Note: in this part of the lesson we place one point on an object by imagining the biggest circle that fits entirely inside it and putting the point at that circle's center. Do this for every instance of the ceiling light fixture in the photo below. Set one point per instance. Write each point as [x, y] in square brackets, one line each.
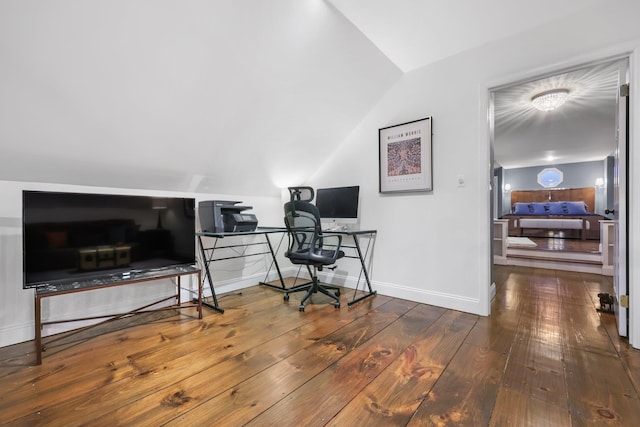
[550, 99]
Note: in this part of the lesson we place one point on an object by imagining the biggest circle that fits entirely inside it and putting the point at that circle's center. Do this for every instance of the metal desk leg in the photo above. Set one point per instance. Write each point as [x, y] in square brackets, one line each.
[274, 261]
[366, 275]
[206, 262]
[199, 295]
[178, 294]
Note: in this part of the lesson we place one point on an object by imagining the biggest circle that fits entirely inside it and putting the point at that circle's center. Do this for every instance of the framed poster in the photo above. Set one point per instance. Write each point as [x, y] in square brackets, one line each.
[405, 157]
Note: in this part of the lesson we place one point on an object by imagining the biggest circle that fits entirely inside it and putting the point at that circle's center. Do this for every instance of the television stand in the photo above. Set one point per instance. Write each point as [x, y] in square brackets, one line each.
[68, 287]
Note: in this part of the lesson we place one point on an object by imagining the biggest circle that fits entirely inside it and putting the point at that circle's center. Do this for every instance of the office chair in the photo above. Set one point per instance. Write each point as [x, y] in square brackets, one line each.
[307, 245]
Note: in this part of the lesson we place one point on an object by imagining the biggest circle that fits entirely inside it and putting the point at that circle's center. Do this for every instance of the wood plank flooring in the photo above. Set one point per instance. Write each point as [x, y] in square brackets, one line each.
[545, 357]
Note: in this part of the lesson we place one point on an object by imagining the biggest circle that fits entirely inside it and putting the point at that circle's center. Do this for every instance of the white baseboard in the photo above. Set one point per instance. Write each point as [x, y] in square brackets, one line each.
[440, 299]
[231, 285]
[454, 302]
[17, 333]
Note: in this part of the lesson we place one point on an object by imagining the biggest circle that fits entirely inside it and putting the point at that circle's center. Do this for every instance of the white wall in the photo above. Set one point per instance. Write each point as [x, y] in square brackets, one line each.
[425, 238]
[435, 247]
[16, 304]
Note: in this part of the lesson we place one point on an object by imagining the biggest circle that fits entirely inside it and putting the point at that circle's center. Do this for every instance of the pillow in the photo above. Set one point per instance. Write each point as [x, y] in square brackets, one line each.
[57, 239]
[521, 208]
[539, 208]
[576, 208]
[557, 208]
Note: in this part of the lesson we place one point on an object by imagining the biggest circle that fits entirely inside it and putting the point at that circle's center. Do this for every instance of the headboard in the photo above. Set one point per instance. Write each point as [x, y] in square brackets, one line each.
[586, 194]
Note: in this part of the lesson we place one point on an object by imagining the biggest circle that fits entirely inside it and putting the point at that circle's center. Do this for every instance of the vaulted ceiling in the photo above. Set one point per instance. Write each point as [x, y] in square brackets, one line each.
[199, 95]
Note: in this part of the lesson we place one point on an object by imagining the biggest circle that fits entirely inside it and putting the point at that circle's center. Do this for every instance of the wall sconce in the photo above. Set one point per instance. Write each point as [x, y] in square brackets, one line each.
[507, 187]
[599, 182]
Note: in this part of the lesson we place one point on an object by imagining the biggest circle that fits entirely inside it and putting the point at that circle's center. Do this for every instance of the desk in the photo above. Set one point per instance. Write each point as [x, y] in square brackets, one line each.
[207, 253]
[107, 281]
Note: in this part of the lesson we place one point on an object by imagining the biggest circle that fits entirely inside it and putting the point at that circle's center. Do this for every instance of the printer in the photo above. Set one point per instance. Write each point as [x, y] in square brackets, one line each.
[217, 216]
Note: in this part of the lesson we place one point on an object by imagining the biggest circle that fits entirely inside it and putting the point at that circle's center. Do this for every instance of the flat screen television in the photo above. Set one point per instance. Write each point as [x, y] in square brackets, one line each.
[69, 237]
[338, 205]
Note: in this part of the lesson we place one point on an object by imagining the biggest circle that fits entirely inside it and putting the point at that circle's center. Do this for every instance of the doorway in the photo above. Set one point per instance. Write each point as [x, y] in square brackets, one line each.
[576, 139]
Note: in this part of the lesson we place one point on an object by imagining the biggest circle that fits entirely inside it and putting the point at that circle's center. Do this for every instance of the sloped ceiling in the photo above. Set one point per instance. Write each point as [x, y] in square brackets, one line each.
[224, 96]
[231, 97]
[414, 33]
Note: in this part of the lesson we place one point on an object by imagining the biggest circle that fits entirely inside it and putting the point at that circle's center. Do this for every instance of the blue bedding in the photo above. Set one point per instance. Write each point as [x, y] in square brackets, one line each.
[550, 208]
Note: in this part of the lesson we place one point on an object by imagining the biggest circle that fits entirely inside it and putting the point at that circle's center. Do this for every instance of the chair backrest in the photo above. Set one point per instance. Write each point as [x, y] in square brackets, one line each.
[304, 194]
[302, 220]
[302, 227]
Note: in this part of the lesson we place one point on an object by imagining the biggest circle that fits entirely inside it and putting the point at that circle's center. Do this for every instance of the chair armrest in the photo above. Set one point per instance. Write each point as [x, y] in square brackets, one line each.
[325, 239]
[323, 255]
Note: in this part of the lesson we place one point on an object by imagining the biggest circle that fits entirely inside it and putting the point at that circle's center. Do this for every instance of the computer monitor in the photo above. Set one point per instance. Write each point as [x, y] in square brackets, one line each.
[338, 206]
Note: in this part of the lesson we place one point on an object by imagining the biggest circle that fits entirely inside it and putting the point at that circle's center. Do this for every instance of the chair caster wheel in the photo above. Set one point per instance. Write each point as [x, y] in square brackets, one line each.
[336, 304]
[286, 297]
[338, 293]
[301, 308]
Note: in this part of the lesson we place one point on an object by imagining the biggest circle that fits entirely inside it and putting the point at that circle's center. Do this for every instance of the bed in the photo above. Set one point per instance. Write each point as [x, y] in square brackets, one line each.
[536, 212]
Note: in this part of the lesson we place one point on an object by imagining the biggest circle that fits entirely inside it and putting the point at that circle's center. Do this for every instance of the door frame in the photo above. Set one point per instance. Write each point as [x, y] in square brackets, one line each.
[633, 203]
[633, 175]
[621, 205]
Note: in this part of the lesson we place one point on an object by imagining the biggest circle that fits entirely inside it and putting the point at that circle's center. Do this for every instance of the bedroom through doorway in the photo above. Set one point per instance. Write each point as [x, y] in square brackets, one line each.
[545, 161]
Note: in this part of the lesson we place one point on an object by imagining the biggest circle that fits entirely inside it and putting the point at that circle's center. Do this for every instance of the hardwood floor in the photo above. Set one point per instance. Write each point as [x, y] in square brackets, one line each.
[545, 357]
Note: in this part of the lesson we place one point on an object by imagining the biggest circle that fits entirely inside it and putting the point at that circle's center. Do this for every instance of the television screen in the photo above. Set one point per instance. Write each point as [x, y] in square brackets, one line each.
[79, 236]
[338, 203]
